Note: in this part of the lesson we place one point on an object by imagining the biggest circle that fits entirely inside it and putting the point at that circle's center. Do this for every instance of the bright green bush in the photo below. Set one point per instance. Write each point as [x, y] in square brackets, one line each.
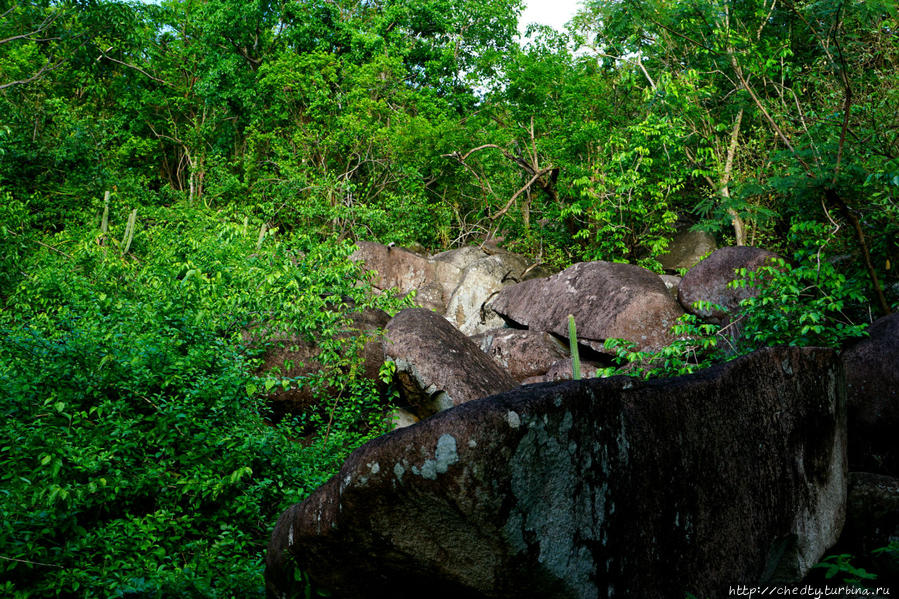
[136, 454]
[809, 303]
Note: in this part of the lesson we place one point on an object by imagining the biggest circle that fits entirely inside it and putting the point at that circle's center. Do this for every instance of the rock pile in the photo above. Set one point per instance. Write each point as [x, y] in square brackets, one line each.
[597, 488]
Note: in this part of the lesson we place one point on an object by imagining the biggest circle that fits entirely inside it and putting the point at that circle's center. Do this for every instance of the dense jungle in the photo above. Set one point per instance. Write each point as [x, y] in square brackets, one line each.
[178, 178]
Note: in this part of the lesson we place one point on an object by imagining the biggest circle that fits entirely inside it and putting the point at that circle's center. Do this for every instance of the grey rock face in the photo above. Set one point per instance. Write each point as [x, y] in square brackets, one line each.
[523, 354]
[607, 300]
[458, 283]
[437, 366]
[671, 282]
[872, 379]
[686, 249]
[469, 307]
[708, 280]
[598, 488]
[462, 257]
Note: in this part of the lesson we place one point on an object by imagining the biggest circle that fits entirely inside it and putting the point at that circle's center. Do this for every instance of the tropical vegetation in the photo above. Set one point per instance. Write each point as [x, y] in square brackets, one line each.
[174, 174]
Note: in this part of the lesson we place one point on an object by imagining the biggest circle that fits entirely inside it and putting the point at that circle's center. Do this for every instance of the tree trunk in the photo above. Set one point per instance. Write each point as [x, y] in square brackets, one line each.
[724, 190]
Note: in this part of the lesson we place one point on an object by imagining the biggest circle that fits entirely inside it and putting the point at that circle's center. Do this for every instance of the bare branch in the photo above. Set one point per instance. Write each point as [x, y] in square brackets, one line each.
[771, 121]
[26, 561]
[136, 68]
[462, 157]
[758, 34]
[813, 30]
[522, 190]
[638, 63]
[40, 28]
[847, 103]
[731, 149]
[42, 244]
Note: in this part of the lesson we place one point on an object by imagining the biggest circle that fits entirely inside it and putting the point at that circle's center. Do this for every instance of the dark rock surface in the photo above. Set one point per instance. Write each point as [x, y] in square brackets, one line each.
[563, 370]
[523, 354]
[707, 281]
[686, 249]
[872, 521]
[437, 366]
[598, 488]
[607, 300]
[872, 380]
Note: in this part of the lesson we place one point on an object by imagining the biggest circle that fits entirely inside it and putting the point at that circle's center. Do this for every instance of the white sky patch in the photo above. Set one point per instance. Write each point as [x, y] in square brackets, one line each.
[554, 13]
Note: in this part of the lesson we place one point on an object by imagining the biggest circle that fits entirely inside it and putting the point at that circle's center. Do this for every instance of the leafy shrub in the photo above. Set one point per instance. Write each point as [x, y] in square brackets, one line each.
[808, 304]
[841, 566]
[696, 347]
[137, 458]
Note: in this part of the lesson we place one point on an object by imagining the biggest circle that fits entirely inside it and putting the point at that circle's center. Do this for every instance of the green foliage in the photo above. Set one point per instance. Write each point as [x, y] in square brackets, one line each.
[841, 566]
[16, 240]
[138, 458]
[696, 347]
[808, 304]
[625, 203]
[256, 139]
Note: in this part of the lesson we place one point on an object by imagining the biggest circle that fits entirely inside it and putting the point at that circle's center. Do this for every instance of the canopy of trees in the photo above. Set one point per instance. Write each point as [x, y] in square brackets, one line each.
[426, 122]
[255, 136]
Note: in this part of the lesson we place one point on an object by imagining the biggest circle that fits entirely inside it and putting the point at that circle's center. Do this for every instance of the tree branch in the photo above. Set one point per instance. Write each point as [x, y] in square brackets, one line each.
[40, 28]
[521, 191]
[136, 68]
[755, 99]
[48, 67]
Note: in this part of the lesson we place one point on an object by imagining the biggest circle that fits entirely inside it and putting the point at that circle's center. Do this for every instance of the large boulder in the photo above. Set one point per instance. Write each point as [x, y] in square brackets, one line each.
[872, 378]
[469, 307]
[437, 366]
[607, 300]
[597, 488]
[393, 267]
[398, 268]
[687, 249]
[523, 354]
[461, 258]
[708, 281]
